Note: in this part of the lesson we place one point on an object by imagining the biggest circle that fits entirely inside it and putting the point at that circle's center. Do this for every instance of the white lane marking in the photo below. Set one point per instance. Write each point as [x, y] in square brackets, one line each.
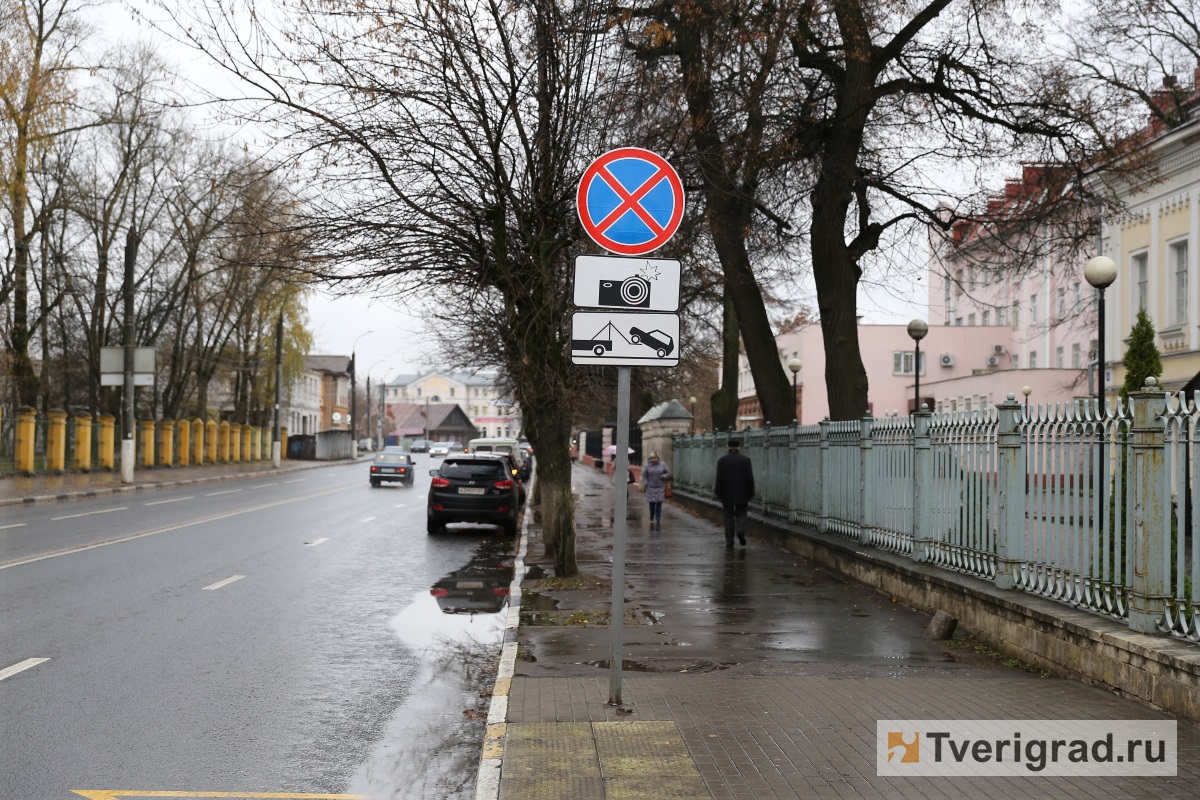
[176, 500]
[8, 672]
[90, 513]
[400, 506]
[264, 485]
[225, 582]
[364, 519]
[295, 480]
[227, 491]
[23, 524]
[317, 542]
[168, 529]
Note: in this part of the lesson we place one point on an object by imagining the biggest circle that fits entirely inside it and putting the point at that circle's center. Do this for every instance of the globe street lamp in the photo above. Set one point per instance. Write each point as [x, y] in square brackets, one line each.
[1027, 390]
[794, 365]
[917, 330]
[1100, 272]
[692, 400]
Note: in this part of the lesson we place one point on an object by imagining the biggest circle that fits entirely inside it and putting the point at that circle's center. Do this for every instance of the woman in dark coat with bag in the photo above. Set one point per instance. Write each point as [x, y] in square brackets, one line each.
[655, 477]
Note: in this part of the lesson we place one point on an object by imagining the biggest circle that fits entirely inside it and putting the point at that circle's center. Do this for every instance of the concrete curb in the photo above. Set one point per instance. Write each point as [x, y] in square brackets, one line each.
[487, 783]
[101, 491]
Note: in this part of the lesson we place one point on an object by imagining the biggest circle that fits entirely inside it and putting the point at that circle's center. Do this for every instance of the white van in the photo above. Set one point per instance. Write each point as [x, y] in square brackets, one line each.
[510, 446]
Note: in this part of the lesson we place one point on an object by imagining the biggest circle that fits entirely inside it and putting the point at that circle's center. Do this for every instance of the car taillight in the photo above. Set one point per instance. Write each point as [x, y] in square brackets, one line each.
[440, 483]
[439, 592]
[374, 469]
[504, 484]
[500, 590]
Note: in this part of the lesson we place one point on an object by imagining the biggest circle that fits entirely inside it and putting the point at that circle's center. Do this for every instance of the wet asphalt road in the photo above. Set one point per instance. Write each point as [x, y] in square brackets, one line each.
[276, 634]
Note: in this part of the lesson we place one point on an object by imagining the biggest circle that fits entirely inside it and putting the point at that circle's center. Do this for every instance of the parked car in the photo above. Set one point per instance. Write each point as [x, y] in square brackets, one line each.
[366, 444]
[455, 447]
[510, 446]
[475, 487]
[393, 464]
[419, 446]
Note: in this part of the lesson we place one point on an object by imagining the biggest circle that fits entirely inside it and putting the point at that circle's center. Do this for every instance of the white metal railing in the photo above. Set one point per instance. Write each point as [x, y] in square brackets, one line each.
[1044, 499]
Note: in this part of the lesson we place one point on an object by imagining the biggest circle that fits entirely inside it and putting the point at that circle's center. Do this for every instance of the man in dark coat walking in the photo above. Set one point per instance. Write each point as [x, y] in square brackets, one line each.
[734, 487]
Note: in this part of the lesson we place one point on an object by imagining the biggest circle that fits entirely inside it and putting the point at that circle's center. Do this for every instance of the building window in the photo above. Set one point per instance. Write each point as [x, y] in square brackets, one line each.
[1033, 359]
[985, 318]
[1179, 261]
[1016, 315]
[1062, 303]
[1076, 356]
[958, 320]
[971, 320]
[1000, 315]
[902, 362]
[1016, 360]
[1141, 273]
[1076, 289]
[946, 293]
[1033, 310]
[1058, 357]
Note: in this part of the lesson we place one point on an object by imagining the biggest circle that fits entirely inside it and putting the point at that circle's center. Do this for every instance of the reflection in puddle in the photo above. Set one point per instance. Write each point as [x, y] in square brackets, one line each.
[432, 743]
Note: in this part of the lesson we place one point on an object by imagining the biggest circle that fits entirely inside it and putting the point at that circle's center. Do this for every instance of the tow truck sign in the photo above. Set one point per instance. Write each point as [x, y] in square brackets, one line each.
[625, 340]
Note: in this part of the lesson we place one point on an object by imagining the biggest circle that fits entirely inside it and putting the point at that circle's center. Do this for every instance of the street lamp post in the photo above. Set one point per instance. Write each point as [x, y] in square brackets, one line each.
[917, 330]
[692, 400]
[382, 411]
[1026, 390]
[353, 389]
[794, 365]
[1100, 272]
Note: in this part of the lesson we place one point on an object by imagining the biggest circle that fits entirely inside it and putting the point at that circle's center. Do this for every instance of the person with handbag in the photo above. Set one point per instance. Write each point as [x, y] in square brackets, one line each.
[656, 481]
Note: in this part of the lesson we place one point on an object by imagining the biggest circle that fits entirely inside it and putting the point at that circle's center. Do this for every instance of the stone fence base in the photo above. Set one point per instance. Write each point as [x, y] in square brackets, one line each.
[1158, 671]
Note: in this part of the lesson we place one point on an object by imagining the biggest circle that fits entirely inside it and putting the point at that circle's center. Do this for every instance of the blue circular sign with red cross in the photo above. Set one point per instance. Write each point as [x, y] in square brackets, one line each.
[630, 201]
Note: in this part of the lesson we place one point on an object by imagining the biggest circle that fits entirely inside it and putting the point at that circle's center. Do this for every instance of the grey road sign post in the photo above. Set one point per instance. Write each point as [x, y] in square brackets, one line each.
[630, 201]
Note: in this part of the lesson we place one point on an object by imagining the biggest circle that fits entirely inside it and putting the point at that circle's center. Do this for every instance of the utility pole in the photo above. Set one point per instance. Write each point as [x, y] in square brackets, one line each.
[128, 422]
[276, 445]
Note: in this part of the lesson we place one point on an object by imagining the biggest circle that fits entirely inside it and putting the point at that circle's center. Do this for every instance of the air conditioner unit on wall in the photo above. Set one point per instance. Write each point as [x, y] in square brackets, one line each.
[993, 361]
[998, 349]
[947, 360]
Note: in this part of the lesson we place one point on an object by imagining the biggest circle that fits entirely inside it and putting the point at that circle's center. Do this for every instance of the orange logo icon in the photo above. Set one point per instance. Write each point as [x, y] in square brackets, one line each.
[906, 752]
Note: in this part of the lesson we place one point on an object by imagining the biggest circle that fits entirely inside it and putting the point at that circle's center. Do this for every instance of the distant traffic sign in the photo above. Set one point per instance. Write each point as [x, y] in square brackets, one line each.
[630, 201]
[625, 340]
[637, 284]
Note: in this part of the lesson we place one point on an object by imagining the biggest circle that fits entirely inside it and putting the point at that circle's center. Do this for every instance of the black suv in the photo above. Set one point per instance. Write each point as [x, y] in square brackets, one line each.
[473, 488]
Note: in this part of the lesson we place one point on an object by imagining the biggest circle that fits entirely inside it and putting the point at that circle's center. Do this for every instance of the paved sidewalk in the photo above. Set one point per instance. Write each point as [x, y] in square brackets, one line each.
[43, 488]
[747, 674]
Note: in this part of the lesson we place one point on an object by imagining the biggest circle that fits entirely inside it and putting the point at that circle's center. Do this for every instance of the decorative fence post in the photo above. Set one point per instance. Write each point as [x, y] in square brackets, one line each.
[166, 443]
[200, 441]
[183, 435]
[823, 519]
[1149, 546]
[146, 439]
[25, 439]
[923, 536]
[106, 449]
[81, 458]
[1010, 494]
[56, 441]
[283, 437]
[246, 454]
[223, 442]
[793, 515]
[235, 442]
[866, 484]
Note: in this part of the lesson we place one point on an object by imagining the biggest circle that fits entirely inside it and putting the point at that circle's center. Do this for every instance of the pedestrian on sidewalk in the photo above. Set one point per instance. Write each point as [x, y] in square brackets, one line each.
[655, 478]
[734, 487]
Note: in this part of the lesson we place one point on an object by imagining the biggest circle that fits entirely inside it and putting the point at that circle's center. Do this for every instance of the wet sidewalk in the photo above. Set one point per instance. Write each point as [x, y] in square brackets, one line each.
[42, 488]
[748, 673]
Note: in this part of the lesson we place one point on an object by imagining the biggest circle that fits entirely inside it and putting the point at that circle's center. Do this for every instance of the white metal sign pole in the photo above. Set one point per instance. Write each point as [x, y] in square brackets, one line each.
[620, 506]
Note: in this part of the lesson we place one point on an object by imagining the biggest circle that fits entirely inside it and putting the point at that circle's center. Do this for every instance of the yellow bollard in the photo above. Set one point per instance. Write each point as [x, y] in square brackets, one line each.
[146, 442]
[56, 441]
[106, 446]
[246, 443]
[25, 435]
[211, 443]
[81, 459]
[166, 443]
[235, 442]
[282, 442]
[183, 431]
[223, 444]
[256, 443]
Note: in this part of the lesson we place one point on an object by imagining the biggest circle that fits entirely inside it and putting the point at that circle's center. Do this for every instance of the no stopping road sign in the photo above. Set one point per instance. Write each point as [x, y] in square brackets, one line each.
[630, 201]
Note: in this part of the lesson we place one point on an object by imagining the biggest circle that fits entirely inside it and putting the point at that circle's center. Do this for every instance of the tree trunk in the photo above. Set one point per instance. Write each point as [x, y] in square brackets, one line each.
[724, 401]
[549, 431]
